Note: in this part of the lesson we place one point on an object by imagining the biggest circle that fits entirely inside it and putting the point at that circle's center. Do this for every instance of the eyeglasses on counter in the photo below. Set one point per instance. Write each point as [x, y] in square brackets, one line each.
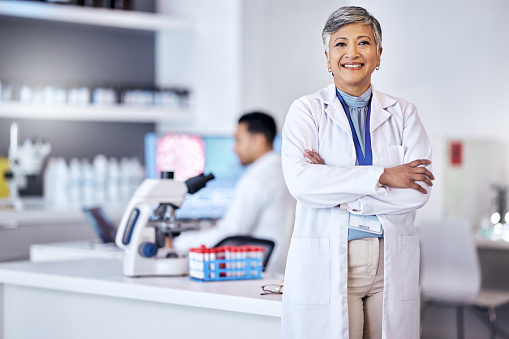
[272, 289]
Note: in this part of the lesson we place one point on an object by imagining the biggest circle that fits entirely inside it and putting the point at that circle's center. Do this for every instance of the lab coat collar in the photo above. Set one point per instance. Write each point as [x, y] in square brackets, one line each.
[260, 162]
[334, 109]
[379, 104]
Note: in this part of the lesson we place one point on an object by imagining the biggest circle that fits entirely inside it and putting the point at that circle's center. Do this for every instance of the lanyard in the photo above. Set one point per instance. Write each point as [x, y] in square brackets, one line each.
[364, 159]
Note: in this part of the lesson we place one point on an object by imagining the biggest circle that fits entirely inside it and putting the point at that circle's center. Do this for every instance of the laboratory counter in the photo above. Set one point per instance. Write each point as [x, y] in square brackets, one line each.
[35, 222]
[92, 298]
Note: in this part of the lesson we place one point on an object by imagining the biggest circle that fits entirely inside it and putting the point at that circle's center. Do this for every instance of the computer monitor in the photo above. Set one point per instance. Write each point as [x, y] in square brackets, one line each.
[189, 155]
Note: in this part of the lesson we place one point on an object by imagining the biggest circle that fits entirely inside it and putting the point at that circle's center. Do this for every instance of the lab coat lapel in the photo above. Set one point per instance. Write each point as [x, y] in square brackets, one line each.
[334, 108]
[379, 114]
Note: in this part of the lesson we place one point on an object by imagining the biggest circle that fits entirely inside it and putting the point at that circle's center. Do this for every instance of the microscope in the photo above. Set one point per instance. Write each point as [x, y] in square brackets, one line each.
[25, 162]
[149, 221]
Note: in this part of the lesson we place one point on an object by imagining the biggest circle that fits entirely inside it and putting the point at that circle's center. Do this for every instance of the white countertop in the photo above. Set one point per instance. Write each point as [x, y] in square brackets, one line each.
[105, 278]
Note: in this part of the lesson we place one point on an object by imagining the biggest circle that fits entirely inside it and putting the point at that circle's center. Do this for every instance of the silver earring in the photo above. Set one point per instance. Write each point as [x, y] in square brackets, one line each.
[377, 68]
[329, 70]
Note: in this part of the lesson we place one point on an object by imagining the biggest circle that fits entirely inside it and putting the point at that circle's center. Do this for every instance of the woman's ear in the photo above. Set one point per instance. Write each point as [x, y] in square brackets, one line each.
[379, 56]
[328, 61]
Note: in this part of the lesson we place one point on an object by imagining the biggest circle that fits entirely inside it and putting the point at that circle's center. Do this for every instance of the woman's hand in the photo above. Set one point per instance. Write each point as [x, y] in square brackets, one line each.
[313, 157]
[405, 176]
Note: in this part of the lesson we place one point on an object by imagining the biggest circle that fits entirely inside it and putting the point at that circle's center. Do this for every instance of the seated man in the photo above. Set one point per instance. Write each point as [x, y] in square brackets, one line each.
[262, 206]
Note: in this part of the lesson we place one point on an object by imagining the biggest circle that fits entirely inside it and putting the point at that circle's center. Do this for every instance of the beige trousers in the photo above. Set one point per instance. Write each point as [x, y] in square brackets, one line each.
[365, 287]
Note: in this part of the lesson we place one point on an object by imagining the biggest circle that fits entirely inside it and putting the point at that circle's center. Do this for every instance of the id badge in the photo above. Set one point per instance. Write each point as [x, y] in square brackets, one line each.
[366, 223]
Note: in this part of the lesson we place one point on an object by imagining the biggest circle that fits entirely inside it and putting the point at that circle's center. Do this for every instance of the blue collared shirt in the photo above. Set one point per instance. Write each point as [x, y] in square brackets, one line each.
[358, 107]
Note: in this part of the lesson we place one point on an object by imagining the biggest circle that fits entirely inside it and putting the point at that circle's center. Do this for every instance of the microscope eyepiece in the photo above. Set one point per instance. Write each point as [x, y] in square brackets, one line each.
[197, 183]
[167, 175]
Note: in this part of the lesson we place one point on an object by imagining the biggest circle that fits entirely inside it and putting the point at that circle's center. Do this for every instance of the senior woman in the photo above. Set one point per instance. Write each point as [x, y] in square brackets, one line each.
[356, 161]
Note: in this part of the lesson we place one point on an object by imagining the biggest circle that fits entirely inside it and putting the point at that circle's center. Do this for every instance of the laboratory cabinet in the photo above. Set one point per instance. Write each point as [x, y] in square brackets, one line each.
[128, 26]
[179, 33]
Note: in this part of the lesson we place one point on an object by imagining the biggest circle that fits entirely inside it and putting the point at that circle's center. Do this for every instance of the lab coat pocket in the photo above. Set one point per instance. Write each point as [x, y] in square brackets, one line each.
[409, 266]
[307, 273]
[396, 155]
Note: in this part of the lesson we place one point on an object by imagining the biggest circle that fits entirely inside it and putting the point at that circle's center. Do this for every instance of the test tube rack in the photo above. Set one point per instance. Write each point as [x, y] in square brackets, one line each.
[225, 263]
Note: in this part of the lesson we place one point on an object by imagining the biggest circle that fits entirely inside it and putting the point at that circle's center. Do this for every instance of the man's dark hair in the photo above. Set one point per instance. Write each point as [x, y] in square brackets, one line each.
[258, 122]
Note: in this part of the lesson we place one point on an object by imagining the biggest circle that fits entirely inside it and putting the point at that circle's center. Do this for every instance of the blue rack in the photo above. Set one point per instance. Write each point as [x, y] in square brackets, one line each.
[239, 269]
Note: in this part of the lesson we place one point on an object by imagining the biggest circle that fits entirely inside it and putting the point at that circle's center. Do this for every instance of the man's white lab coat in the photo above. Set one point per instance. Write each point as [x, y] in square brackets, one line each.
[262, 207]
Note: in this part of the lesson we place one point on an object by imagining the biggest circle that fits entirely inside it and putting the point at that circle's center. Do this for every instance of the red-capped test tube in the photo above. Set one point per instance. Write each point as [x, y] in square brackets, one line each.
[220, 255]
[212, 262]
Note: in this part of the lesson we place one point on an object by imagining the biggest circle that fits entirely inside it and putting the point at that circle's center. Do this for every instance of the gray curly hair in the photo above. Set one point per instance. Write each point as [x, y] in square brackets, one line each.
[349, 15]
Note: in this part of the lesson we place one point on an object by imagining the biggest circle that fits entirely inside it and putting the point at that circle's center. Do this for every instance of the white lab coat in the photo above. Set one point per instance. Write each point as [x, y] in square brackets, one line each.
[262, 207]
[315, 296]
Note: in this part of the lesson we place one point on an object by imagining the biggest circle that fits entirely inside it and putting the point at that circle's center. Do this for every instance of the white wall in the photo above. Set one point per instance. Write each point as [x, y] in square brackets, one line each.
[256, 54]
[447, 57]
[436, 53]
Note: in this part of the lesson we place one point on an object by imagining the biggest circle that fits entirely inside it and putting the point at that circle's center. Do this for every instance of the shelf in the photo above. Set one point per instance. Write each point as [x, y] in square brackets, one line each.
[16, 110]
[104, 17]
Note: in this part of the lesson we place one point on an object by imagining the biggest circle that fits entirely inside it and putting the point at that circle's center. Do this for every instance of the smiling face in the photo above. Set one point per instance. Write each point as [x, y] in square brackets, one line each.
[353, 56]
